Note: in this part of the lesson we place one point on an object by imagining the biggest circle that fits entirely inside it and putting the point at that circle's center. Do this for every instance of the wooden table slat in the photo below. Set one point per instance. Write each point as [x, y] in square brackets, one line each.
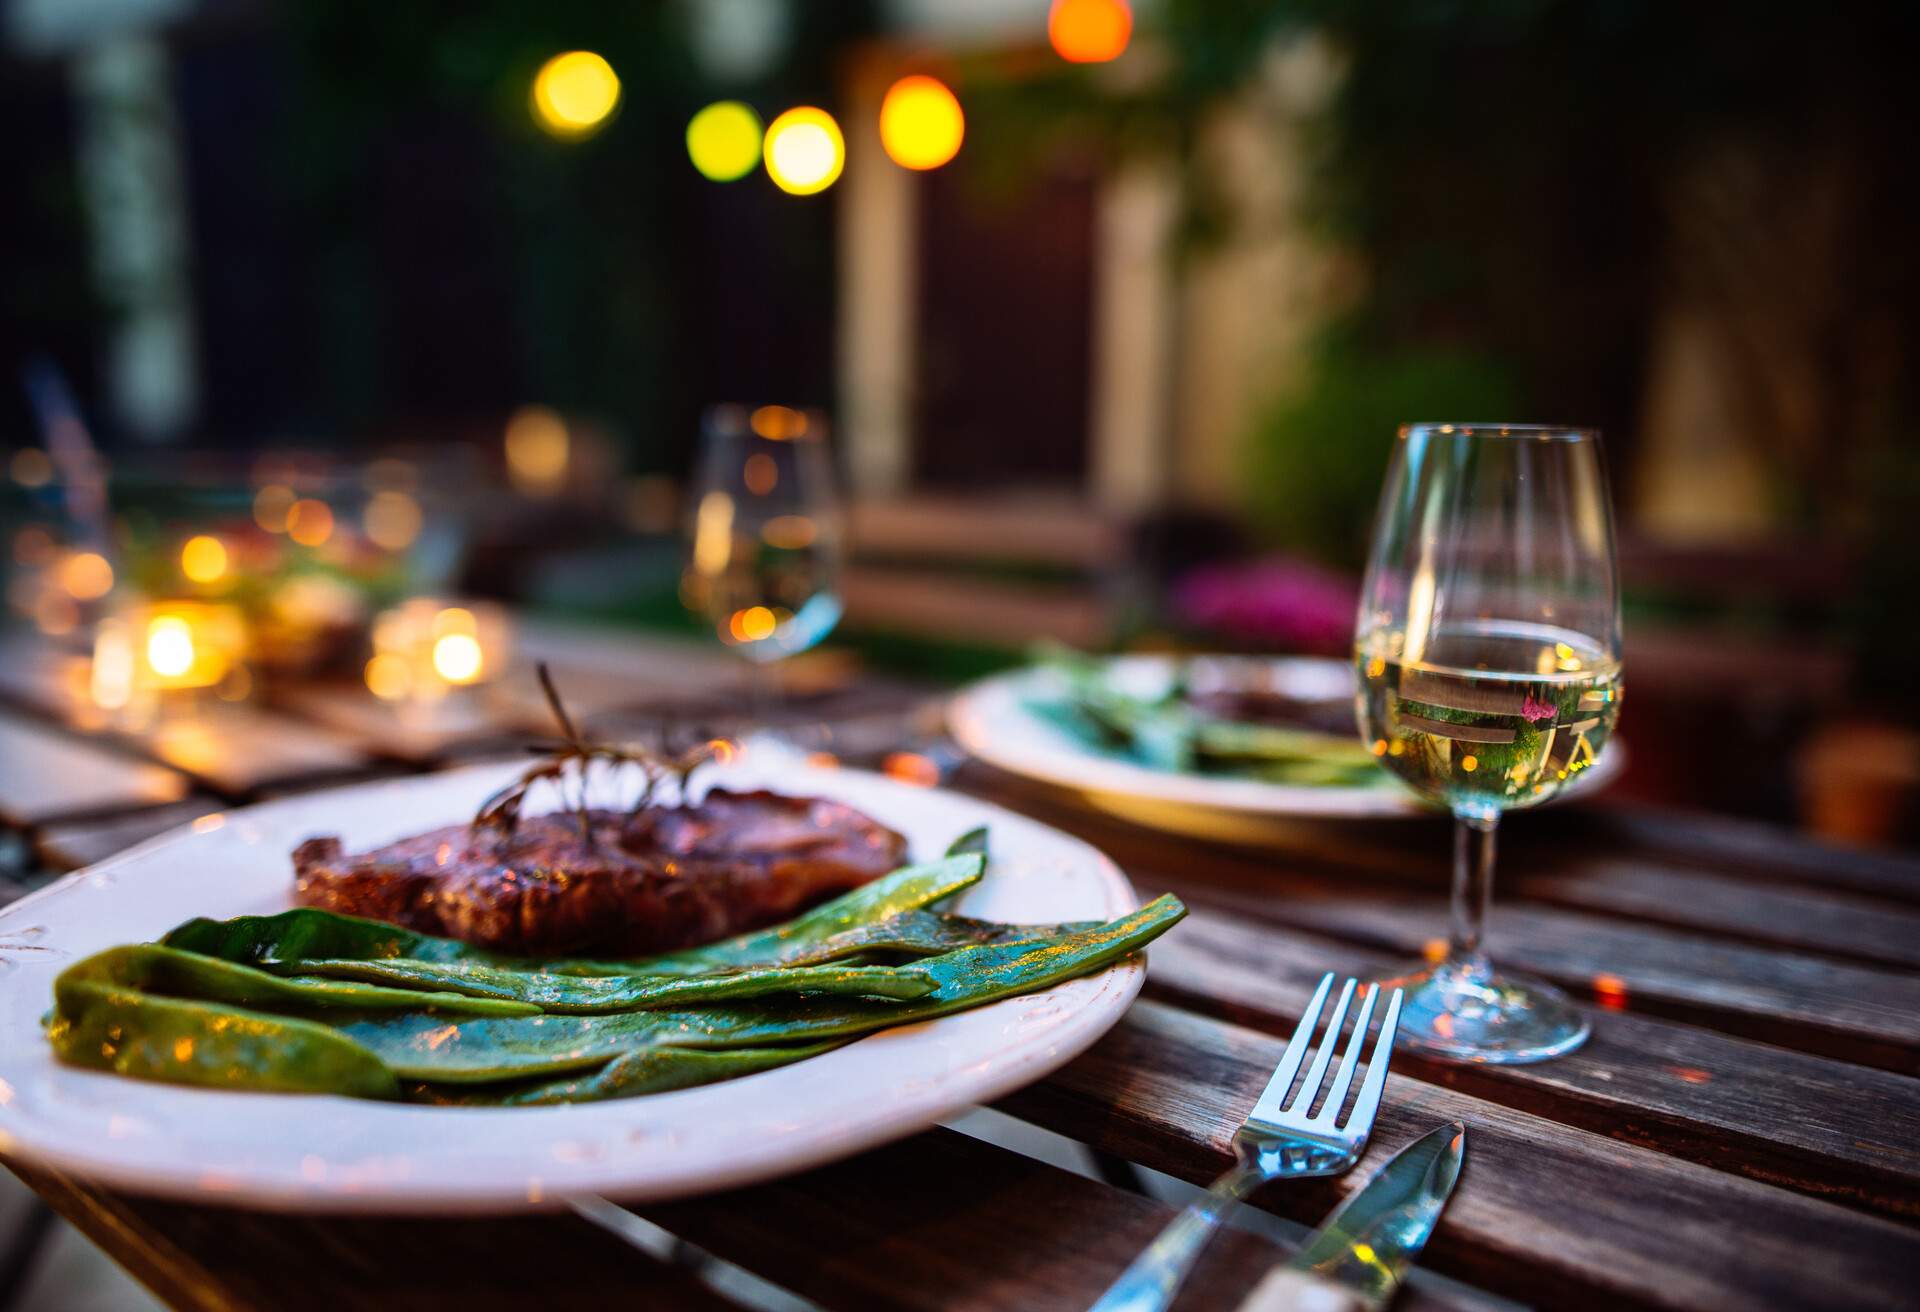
[946, 1223]
[1541, 1212]
[1819, 920]
[47, 774]
[71, 844]
[1809, 1122]
[1538, 863]
[216, 1259]
[1751, 848]
[1857, 1013]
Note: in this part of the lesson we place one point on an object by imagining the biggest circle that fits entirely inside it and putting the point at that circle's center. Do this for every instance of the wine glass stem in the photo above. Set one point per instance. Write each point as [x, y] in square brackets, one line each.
[1472, 886]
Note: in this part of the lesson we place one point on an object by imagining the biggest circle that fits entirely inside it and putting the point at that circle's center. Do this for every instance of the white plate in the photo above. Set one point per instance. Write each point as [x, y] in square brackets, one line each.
[312, 1153]
[993, 720]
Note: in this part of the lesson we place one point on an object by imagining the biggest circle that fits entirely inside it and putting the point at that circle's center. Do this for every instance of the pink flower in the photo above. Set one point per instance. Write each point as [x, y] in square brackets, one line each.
[1536, 711]
[1272, 602]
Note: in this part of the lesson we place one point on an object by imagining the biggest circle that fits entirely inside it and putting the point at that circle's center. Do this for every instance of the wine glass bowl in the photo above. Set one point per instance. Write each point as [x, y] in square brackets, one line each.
[765, 533]
[1487, 651]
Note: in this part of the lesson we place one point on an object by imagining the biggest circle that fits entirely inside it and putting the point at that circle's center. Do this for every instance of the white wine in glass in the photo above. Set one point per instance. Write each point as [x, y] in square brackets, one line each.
[1488, 656]
[765, 534]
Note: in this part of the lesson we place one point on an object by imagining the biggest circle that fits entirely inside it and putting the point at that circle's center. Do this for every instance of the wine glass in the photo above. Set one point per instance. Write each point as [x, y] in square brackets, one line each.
[1488, 655]
[765, 535]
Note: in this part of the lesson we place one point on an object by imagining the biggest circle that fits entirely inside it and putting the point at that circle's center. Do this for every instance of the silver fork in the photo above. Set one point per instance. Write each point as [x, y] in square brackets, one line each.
[1281, 1137]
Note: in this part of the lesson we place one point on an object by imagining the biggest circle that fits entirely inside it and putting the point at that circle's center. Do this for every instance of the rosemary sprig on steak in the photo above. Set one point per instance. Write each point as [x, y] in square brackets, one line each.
[574, 754]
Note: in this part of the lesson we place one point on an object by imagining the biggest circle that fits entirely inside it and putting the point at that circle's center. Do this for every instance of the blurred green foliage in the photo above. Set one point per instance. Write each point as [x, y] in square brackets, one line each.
[1315, 458]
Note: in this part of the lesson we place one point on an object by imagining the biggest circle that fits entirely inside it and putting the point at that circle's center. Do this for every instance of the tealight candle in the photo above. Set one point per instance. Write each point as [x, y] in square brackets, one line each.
[424, 648]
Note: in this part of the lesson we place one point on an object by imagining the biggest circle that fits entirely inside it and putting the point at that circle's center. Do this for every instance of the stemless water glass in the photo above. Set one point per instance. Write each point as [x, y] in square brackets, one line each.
[1488, 655]
[765, 534]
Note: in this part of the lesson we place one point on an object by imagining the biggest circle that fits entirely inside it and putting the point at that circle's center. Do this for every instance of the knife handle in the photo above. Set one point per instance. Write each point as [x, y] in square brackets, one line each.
[1286, 1290]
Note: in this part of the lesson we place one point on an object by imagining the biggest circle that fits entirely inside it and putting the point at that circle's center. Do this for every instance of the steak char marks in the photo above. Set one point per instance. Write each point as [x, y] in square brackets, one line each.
[661, 879]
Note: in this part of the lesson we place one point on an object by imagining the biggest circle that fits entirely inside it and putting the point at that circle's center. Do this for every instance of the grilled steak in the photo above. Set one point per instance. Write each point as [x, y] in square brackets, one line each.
[665, 878]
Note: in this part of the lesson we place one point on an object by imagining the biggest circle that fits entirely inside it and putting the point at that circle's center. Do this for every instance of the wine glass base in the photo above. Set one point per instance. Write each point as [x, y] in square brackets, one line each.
[1468, 1012]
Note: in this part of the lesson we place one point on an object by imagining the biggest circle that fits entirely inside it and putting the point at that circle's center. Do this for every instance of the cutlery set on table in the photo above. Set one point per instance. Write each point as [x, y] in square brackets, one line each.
[1357, 1258]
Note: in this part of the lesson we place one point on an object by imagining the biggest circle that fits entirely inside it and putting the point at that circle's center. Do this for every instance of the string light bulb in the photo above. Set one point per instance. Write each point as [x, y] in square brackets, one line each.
[805, 151]
[921, 123]
[573, 94]
[723, 141]
[1089, 31]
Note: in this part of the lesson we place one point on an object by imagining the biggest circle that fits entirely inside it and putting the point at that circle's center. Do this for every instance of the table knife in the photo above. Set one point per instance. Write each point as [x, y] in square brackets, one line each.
[1354, 1261]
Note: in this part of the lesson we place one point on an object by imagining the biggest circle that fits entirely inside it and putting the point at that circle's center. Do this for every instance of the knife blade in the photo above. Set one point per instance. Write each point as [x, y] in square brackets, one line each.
[1356, 1259]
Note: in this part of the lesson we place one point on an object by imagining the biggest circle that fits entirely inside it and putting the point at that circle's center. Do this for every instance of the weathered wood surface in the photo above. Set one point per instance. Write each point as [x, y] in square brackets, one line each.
[1859, 1013]
[1746, 847]
[71, 844]
[943, 1221]
[1542, 1212]
[940, 1221]
[1361, 892]
[46, 774]
[215, 1259]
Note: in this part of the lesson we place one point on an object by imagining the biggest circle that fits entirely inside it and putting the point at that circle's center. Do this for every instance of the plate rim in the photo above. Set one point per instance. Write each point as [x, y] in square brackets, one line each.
[1103, 1001]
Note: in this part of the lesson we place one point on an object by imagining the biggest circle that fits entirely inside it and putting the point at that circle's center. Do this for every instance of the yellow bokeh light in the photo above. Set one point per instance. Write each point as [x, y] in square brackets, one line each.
[203, 559]
[805, 151]
[456, 657]
[921, 124]
[1089, 31]
[388, 677]
[86, 575]
[573, 93]
[537, 450]
[270, 506]
[170, 646]
[309, 522]
[723, 141]
[392, 520]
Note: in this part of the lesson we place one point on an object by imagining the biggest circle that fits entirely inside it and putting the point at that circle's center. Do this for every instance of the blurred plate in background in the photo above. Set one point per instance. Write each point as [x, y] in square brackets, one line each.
[1003, 722]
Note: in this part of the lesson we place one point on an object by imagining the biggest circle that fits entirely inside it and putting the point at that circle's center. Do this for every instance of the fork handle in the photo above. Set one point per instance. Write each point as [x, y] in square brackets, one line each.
[1156, 1275]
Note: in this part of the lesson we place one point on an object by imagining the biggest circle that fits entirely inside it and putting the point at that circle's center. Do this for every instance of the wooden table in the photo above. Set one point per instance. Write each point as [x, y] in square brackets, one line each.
[1742, 1131]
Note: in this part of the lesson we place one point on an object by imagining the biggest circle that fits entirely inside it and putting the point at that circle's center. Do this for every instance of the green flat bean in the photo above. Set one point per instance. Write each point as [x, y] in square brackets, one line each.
[589, 995]
[478, 1051]
[922, 934]
[641, 1071]
[154, 969]
[308, 933]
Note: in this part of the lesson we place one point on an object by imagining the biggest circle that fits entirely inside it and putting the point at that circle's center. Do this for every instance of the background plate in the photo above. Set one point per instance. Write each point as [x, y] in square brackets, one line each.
[992, 721]
[311, 1153]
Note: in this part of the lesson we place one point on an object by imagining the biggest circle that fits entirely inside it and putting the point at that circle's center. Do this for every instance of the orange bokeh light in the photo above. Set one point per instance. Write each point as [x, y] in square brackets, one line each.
[912, 768]
[309, 522]
[1089, 31]
[921, 124]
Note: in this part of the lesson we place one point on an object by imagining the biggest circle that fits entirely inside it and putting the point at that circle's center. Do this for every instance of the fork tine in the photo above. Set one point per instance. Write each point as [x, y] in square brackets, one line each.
[1369, 1100]
[1303, 1101]
[1350, 1060]
[1274, 1097]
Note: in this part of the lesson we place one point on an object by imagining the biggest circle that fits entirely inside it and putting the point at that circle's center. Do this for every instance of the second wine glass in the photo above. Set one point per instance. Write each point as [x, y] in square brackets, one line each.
[765, 535]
